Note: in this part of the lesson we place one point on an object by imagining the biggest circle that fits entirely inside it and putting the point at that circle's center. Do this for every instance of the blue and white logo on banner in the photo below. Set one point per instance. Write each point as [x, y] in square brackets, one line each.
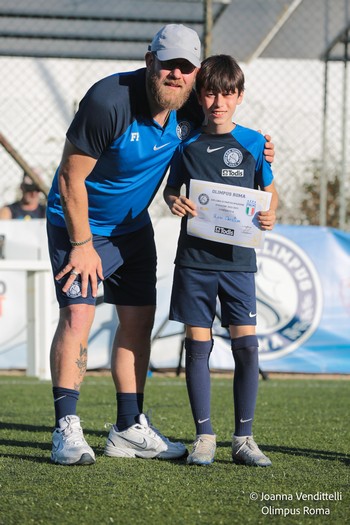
[289, 297]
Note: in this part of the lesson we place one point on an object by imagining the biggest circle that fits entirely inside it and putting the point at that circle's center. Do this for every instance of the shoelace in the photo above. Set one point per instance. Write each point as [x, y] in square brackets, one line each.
[149, 429]
[73, 432]
[154, 429]
[252, 446]
[158, 432]
[205, 445]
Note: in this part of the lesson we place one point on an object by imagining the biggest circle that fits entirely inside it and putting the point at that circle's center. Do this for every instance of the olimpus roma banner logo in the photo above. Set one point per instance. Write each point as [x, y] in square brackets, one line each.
[289, 297]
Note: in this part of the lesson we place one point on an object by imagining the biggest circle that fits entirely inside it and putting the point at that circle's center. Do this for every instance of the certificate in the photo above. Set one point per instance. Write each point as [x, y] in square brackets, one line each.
[227, 213]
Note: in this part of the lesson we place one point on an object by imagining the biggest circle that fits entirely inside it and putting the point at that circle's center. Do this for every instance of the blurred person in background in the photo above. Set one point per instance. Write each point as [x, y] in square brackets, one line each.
[29, 206]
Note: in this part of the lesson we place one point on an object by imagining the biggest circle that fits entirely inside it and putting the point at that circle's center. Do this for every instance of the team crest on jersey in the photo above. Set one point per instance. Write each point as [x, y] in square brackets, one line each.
[74, 290]
[233, 157]
[183, 129]
[289, 297]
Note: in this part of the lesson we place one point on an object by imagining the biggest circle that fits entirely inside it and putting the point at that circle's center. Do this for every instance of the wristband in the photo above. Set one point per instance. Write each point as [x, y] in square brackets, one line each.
[73, 243]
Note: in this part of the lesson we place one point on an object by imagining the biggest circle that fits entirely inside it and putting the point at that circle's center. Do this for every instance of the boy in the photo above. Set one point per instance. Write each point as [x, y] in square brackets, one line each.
[206, 269]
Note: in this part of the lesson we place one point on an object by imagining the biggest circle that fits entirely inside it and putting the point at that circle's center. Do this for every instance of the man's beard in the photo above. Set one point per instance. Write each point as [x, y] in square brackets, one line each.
[164, 97]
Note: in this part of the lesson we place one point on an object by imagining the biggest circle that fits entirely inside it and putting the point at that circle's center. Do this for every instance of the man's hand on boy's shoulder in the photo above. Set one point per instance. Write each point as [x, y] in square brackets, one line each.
[269, 150]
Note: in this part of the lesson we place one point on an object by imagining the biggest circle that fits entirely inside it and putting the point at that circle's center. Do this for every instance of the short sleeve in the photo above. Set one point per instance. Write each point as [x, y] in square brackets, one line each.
[93, 127]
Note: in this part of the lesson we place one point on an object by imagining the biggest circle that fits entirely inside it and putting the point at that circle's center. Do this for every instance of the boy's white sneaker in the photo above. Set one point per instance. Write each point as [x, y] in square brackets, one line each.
[143, 441]
[245, 451]
[68, 443]
[203, 451]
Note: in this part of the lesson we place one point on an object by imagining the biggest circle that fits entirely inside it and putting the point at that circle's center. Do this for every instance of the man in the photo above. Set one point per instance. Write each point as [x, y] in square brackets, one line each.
[29, 205]
[117, 151]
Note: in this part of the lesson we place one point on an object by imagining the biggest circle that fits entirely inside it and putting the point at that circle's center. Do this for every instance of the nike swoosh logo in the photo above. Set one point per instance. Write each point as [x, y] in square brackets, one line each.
[203, 420]
[252, 315]
[55, 400]
[211, 150]
[156, 148]
[245, 420]
[142, 445]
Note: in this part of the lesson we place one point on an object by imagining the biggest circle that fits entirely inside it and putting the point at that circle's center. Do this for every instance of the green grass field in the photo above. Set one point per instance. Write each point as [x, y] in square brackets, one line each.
[302, 424]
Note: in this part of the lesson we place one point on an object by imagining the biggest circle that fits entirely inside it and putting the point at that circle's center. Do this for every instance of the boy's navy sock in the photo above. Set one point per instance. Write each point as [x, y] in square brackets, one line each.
[129, 406]
[65, 401]
[245, 384]
[198, 382]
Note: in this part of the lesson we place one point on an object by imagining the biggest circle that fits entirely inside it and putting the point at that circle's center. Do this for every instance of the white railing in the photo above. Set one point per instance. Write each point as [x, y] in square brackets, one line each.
[39, 294]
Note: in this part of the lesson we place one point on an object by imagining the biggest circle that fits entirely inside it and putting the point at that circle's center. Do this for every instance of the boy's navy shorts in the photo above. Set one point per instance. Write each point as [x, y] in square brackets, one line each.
[129, 265]
[195, 293]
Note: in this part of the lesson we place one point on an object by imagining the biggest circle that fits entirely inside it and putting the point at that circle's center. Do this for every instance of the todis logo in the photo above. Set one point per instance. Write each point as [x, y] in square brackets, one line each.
[289, 297]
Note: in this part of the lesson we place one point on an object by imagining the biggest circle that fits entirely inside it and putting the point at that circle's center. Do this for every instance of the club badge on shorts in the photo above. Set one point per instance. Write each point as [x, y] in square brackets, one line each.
[75, 290]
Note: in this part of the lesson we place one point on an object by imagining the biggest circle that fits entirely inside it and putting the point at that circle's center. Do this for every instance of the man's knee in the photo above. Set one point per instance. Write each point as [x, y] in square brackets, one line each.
[77, 317]
[136, 321]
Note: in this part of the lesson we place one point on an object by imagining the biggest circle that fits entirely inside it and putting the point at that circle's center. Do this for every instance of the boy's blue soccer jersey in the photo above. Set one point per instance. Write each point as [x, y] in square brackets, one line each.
[235, 158]
[114, 126]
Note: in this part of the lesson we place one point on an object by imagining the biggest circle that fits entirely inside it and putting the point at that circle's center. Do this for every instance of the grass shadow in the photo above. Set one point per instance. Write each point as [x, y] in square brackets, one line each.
[327, 455]
[27, 457]
[24, 427]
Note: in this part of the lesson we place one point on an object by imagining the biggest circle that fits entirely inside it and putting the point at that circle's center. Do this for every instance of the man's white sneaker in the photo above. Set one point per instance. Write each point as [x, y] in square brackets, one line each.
[246, 451]
[203, 451]
[174, 450]
[141, 440]
[68, 444]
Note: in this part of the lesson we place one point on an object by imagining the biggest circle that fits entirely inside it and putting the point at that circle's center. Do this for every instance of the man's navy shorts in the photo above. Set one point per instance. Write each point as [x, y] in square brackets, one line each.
[195, 293]
[129, 265]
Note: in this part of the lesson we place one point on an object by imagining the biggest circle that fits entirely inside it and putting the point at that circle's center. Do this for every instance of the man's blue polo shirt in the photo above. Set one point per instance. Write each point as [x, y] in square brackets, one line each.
[113, 125]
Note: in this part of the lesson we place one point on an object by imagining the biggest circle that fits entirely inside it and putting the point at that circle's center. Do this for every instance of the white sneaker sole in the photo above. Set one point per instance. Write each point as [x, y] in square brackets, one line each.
[85, 459]
[251, 462]
[115, 452]
[173, 455]
[199, 462]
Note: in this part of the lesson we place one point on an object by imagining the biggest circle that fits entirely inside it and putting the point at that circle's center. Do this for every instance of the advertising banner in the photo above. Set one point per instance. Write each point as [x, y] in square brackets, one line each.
[303, 302]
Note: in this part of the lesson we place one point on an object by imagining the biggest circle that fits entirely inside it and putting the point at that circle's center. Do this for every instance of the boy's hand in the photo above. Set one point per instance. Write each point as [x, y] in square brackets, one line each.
[267, 219]
[182, 206]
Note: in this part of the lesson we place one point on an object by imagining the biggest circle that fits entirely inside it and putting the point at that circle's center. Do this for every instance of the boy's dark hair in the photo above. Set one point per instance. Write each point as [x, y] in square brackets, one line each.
[220, 74]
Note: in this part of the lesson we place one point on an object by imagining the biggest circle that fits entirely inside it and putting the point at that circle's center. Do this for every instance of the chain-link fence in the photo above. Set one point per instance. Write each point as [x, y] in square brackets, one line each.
[294, 54]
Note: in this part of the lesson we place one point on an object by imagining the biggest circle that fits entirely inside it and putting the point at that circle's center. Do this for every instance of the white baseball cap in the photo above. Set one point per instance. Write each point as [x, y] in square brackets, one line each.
[177, 41]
